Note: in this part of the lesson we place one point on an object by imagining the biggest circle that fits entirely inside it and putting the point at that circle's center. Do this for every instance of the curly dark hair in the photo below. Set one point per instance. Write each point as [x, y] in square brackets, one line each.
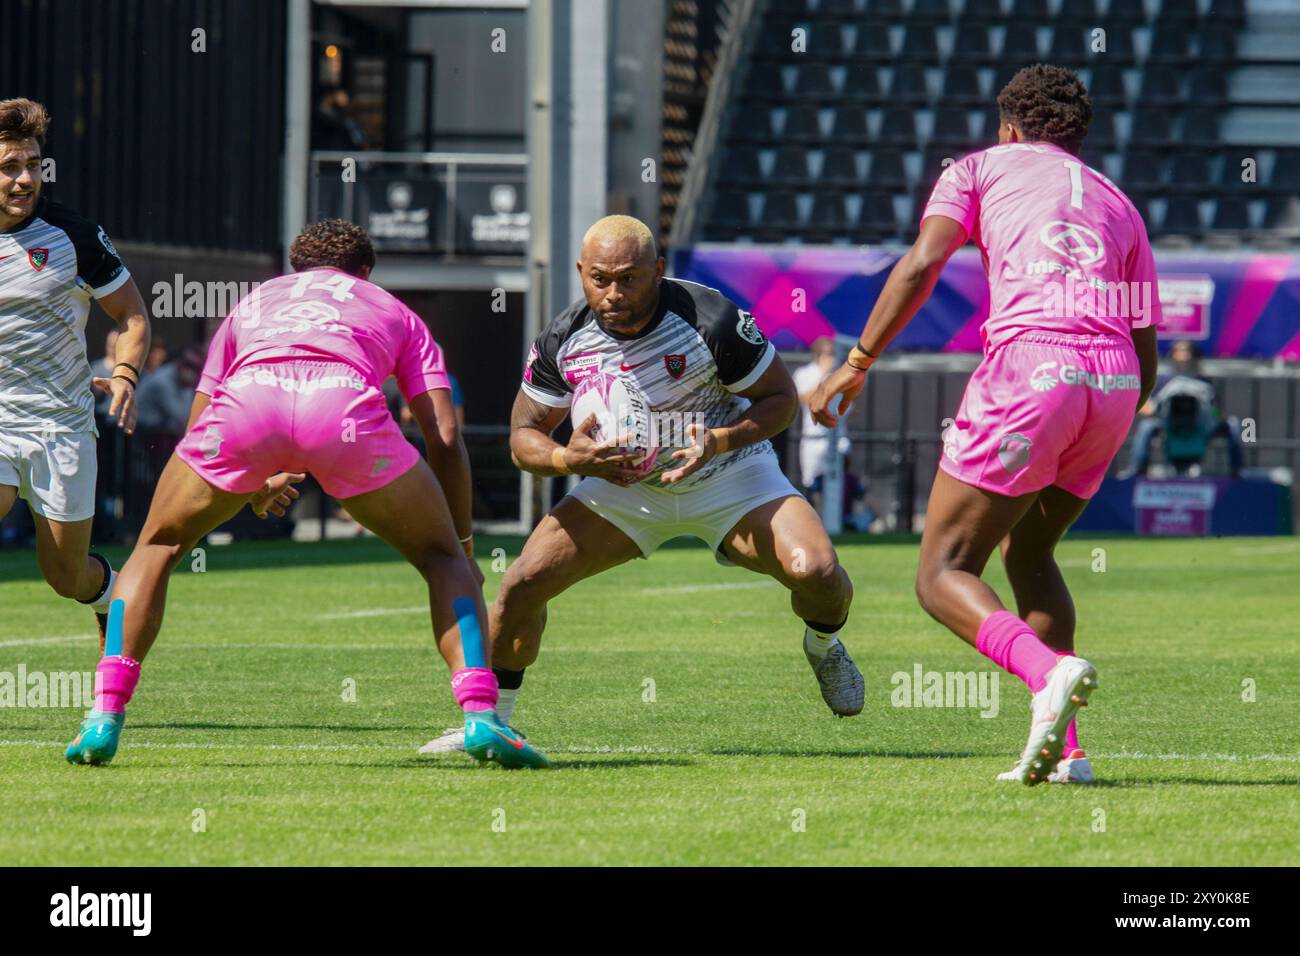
[1048, 104]
[23, 119]
[332, 242]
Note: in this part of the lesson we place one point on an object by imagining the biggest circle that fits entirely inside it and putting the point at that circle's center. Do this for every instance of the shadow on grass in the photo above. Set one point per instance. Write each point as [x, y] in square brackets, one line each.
[1131, 783]
[328, 728]
[865, 752]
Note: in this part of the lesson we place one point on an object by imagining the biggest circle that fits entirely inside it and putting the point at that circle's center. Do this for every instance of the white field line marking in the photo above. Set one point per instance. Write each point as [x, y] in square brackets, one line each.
[371, 612]
[1283, 547]
[578, 749]
[695, 588]
[22, 642]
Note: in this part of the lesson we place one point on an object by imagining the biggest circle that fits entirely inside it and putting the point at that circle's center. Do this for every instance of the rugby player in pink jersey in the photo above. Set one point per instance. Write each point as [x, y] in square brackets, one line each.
[293, 384]
[1069, 357]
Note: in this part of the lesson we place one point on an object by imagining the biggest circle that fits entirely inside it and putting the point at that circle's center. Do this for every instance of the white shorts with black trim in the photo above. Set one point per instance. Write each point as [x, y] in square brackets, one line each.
[651, 516]
[53, 472]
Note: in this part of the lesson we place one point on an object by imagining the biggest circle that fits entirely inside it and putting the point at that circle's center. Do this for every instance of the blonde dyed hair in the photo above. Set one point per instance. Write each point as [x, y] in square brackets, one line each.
[616, 229]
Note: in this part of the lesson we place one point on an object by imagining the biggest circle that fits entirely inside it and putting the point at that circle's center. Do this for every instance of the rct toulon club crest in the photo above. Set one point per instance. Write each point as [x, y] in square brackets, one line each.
[38, 258]
[675, 365]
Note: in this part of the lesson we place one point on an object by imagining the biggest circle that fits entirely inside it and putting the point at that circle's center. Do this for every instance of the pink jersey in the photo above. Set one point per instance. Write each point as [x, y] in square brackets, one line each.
[326, 315]
[1064, 249]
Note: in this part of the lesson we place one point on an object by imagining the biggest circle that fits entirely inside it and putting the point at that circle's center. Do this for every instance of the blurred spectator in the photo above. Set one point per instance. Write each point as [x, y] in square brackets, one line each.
[103, 368]
[332, 126]
[164, 397]
[1186, 383]
[814, 439]
[157, 356]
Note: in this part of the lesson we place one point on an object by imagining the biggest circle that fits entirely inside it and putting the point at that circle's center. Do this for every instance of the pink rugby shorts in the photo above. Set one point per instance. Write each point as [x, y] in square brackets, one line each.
[1046, 408]
[318, 417]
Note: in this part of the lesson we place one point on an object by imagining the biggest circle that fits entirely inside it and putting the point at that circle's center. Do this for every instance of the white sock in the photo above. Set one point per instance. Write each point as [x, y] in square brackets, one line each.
[506, 704]
[818, 645]
[105, 599]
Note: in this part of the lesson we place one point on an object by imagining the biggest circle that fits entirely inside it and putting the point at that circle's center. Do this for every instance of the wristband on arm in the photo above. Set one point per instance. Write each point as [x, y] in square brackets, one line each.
[557, 460]
[859, 353]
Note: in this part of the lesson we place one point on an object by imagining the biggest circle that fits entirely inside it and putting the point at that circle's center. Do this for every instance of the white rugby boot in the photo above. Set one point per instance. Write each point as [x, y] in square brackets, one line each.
[1069, 684]
[452, 741]
[1073, 768]
[840, 680]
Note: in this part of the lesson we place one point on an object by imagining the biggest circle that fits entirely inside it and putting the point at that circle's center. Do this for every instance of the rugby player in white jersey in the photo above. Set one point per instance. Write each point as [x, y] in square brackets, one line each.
[690, 351]
[52, 263]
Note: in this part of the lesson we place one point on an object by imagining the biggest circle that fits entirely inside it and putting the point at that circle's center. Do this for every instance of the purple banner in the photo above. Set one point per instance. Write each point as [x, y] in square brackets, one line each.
[1231, 305]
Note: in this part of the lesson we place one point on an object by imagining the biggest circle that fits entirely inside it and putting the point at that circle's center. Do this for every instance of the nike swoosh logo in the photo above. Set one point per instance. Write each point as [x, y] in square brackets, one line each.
[628, 368]
[517, 744]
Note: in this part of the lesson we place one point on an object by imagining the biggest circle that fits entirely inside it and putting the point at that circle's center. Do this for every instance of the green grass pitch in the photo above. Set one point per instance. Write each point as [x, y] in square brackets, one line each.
[683, 722]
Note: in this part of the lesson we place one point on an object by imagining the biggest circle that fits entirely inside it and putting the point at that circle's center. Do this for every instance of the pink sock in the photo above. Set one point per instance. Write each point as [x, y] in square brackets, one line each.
[475, 689]
[115, 680]
[1071, 733]
[1012, 644]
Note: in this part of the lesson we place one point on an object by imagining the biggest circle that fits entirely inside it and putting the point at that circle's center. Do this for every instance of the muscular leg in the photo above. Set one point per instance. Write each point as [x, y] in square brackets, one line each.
[1042, 599]
[785, 539]
[571, 543]
[63, 553]
[412, 515]
[8, 495]
[184, 509]
[963, 525]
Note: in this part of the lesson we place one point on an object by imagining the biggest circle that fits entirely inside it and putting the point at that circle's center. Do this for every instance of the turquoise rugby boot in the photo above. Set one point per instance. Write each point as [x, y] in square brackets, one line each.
[96, 741]
[486, 738]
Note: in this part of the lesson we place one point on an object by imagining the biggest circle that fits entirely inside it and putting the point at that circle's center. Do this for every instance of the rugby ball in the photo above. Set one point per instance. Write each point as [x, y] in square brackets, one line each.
[622, 415]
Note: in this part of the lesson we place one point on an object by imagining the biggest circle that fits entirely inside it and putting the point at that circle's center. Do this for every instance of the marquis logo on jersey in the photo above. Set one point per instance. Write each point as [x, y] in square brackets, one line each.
[747, 329]
[1013, 451]
[1072, 241]
[1043, 378]
[38, 258]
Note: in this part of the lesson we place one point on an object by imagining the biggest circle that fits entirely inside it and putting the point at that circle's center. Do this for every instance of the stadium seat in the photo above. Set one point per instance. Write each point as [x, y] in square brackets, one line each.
[961, 84]
[1030, 10]
[1161, 85]
[1079, 13]
[839, 8]
[780, 212]
[1226, 14]
[764, 83]
[898, 125]
[731, 209]
[971, 44]
[1150, 126]
[934, 11]
[840, 167]
[1200, 128]
[885, 9]
[951, 127]
[907, 84]
[1231, 213]
[1282, 214]
[801, 125]
[1101, 132]
[790, 167]
[1106, 87]
[775, 38]
[1208, 88]
[872, 43]
[742, 166]
[1020, 42]
[861, 83]
[828, 213]
[1143, 207]
[933, 165]
[1180, 12]
[1285, 173]
[752, 123]
[850, 125]
[982, 11]
[1119, 46]
[1217, 45]
[788, 8]
[1124, 13]
[876, 219]
[1190, 172]
[826, 40]
[1143, 170]
[1070, 45]
[1182, 216]
[1230, 170]
[1171, 43]
[919, 43]
[887, 169]
[813, 80]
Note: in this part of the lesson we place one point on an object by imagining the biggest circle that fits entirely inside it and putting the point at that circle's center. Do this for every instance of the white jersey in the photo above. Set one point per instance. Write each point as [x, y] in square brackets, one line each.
[51, 266]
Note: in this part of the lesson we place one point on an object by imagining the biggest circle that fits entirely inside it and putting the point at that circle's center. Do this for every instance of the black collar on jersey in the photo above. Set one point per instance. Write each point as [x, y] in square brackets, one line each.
[660, 311]
[19, 227]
